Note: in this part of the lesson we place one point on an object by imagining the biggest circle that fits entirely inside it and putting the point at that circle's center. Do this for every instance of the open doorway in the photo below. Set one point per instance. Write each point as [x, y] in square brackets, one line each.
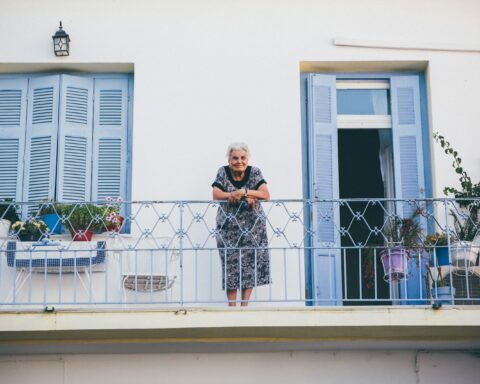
[365, 172]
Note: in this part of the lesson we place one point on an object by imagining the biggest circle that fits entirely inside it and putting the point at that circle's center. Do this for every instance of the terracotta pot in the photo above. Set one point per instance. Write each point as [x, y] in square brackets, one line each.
[81, 235]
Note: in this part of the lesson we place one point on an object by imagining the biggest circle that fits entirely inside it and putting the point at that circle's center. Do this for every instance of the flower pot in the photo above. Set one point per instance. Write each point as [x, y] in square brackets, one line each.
[81, 235]
[443, 295]
[115, 227]
[4, 228]
[394, 264]
[442, 256]
[53, 222]
[463, 254]
[30, 236]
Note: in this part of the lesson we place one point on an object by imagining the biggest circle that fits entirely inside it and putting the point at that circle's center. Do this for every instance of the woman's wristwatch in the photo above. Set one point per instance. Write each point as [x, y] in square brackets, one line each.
[246, 192]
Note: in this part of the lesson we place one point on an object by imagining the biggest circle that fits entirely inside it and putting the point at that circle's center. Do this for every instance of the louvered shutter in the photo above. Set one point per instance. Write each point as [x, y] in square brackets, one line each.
[407, 141]
[110, 138]
[323, 139]
[13, 104]
[409, 171]
[41, 139]
[75, 139]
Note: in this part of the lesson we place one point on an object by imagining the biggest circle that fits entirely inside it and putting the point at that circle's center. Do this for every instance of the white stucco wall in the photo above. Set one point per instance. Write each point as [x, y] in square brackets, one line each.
[401, 367]
[211, 72]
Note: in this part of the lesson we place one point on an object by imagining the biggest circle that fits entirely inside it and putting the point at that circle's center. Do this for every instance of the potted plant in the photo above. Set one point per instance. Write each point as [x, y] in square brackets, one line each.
[113, 219]
[466, 223]
[49, 212]
[82, 219]
[464, 251]
[436, 245]
[441, 291]
[402, 242]
[8, 215]
[30, 230]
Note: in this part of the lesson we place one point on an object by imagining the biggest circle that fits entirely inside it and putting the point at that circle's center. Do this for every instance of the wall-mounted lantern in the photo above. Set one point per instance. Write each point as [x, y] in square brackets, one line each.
[61, 41]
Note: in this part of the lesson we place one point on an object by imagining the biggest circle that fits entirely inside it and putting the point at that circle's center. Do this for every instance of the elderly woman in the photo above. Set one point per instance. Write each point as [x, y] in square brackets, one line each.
[242, 233]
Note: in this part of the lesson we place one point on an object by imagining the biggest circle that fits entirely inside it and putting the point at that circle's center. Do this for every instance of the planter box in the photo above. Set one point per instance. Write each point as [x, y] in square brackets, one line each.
[54, 257]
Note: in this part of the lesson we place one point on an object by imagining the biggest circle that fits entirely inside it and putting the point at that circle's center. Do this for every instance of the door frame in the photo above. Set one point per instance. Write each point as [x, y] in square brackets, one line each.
[306, 167]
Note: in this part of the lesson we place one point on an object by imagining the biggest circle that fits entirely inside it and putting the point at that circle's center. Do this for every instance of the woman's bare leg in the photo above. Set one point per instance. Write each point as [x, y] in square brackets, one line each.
[232, 297]
[246, 296]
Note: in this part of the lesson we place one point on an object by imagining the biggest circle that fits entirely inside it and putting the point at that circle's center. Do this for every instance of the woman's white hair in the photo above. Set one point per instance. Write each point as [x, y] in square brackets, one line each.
[237, 147]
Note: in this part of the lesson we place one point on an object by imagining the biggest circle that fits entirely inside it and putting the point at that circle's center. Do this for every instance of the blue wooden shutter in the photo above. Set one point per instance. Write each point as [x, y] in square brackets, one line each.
[41, 139]
[323, 138]
[110, 138]
[408, 167]
[407, 141]
[13, 113]
[75, 139]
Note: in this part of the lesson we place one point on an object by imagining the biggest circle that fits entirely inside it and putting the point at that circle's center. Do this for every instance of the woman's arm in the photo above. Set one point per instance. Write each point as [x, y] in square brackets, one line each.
[232, 197]
[261, 193]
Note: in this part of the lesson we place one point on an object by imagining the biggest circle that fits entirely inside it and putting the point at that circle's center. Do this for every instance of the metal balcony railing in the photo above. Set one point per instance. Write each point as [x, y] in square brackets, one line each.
[185, 253]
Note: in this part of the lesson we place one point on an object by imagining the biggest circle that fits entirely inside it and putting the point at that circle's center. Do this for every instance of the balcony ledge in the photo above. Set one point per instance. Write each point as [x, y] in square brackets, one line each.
[252, 329]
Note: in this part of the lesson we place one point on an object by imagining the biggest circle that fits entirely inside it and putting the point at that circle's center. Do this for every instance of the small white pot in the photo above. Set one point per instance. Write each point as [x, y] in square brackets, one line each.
[4, 228]
[463, 254]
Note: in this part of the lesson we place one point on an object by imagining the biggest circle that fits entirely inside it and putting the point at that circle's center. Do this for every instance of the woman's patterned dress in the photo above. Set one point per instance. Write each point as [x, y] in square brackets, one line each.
[242, 234]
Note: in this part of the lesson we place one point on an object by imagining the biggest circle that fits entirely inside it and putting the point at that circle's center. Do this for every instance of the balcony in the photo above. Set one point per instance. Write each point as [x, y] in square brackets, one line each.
[320, 253]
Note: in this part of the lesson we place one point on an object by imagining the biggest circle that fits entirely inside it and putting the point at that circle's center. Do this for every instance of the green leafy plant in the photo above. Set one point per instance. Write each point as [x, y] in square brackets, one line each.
[30, 229]
[82, 216]
[469, 189]
[8, 211]
[49, 207]
[466, 224]
[405, 232]
[437, 239]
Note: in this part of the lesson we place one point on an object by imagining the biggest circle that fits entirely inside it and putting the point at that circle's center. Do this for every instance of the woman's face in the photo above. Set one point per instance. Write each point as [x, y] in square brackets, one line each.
[238, 160]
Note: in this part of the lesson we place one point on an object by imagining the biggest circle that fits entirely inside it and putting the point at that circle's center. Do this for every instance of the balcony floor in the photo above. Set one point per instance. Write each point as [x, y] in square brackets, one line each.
[240, 330]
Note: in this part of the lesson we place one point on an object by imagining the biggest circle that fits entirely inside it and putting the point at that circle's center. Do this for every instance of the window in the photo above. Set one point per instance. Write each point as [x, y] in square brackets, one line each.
[363, 104]
[64, 137]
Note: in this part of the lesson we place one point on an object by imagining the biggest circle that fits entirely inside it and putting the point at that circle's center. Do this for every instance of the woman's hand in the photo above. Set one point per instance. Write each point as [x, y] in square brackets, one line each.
[251, 201]
[236, 196]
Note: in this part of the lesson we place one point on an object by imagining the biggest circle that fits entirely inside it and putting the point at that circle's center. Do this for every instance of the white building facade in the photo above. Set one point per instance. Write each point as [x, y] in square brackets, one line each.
[144, 107]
